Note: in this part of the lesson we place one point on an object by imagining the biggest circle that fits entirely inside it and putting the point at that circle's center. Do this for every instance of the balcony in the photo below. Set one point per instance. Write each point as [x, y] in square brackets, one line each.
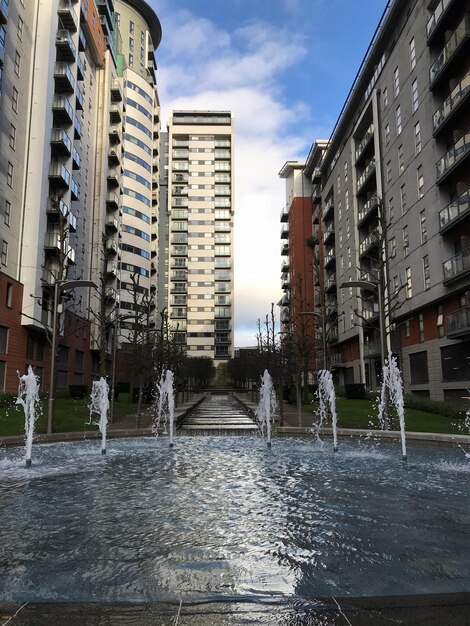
[77, 128]
[63, 77]
[115, 116]
[329, 205]
[454, 44]
[114, 157]
[52, 242]
[365, 141]
[329, 231]
[116, 91]
[372, 348]
[81, 41]
[367, 209]
[3, 34]
[330, 257]
[455, 212]
[112, 201]
[454, 157]
[111, 268]
[451, 105]
[66, 49]
[285, 265]
[111, 248]
[330, 283]
[458, 324]
[437, 18]
[337, 360]
[76, 159]
[79, 99]
[56, 209]
[80, 68]
[285, 301]
[366, 176]
[285, 249]
[316, 215]
[316, 175]
[285, 278]
[332, 333]
[62, 109]
[457, 267]
[61, 142]
[60, 175]
[367, 244]
[113, 178]
[114, 136]
[106, 9]
[285, 231]
[112, 224]
[67, 16]
[3, 11]
[74, 189]
[284, 214]
[370, 311]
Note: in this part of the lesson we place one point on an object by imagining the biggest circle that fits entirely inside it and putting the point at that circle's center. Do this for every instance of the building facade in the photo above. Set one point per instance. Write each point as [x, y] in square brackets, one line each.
[63, 178]
[201, 210]
[395, 198]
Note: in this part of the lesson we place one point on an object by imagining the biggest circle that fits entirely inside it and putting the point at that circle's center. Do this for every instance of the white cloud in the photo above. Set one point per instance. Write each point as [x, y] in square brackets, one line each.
[242, 71]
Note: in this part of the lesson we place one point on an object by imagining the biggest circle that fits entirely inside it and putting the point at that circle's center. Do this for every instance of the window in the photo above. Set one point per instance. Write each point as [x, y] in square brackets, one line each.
[142, 37]
[79, 359]
[389, 171]
[417, 138]
[19, 32]
[385, 97]
[131, 43]
[396, 82]
[131, 26]
[7, 215]
[131, 60]
[396, 286]
[440, 321]
[401, 161]
[9, 295]
[412, 54]
[407, 328]
[17, 63]
[403, 199]
[420, 181]
[391, 211]
[409, 287]
[398, 119]
[419, 367]
[421, 327]
[426, 272]
[345, 171]
[3, 339]
[406, 241]
[392, 247]
[10, 174]
[414, 95]
[12, 136]
[3, 367]
[387, 134]
[455, 361]
[14, 100]
[4, 253]
[423, 227]
[349, 258]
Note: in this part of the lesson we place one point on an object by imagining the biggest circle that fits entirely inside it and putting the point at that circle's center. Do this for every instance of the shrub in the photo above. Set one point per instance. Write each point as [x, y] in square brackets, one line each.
[7, 399]
[448, 409]
[355, 391]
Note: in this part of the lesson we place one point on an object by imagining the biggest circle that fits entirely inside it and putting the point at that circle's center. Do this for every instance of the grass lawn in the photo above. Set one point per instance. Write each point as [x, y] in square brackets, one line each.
[69, 416]
[363, 414]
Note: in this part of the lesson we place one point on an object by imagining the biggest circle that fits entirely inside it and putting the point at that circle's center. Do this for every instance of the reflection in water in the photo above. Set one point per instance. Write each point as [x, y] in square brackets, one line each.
[223, 518]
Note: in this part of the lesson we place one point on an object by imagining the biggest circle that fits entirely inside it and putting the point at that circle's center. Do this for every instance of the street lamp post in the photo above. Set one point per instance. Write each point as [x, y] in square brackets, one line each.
[59, 287]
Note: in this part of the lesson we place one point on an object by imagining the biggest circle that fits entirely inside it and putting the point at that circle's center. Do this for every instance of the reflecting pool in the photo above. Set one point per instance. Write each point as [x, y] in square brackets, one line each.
[225, 518]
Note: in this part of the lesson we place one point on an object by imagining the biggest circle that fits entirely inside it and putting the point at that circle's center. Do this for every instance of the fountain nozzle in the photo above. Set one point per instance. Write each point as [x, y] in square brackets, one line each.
[28, 463]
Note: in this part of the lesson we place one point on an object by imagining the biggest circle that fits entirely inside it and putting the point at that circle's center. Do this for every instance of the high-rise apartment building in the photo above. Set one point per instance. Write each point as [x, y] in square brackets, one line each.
[200, 205]
[64, 83]
[395, 198]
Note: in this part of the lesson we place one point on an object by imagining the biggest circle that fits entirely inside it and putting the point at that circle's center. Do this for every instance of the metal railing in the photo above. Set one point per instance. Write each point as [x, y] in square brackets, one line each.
[455, 209]
[451, 46]
[453, 156]
[451, 102]
[457, 265]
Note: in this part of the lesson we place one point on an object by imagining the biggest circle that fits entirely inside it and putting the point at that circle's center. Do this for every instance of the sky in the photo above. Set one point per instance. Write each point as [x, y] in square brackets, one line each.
[284, 68]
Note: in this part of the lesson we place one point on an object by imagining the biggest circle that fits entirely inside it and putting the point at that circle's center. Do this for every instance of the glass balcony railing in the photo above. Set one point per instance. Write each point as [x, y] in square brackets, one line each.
[452, 102]
[4, 11]
[329, 205]
[367, 243]
[284, 214]
[453, 43]
[67, 15]
[60, 173]
[455, 210]
[364, 141]
[65, 45]
[329, 230]
[458, 151]
[285, 231]
[457, 265]
[330, 282]
[364, 177]
[458, 323]
[367, 208]
[329, 256]
[435, 18]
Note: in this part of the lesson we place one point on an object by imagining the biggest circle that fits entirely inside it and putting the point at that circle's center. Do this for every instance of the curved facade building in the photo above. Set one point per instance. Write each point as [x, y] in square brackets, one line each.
[141, 34]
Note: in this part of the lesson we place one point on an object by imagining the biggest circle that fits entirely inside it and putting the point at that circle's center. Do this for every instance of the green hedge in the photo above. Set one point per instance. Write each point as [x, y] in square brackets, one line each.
[448, 409]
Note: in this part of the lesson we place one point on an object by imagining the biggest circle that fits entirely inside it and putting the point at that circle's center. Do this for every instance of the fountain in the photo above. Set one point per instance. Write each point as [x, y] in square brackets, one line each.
[166, 403]
[100, 405]
[392, 385]
[267, 406]
[327, 398]
[28, 397]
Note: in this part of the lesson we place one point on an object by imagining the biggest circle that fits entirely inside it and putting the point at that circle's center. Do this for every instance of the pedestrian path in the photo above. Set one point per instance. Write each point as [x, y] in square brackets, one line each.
[218, 414]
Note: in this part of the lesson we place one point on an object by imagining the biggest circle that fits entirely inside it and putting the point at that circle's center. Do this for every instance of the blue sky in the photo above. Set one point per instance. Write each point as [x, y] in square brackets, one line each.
[284, 67]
